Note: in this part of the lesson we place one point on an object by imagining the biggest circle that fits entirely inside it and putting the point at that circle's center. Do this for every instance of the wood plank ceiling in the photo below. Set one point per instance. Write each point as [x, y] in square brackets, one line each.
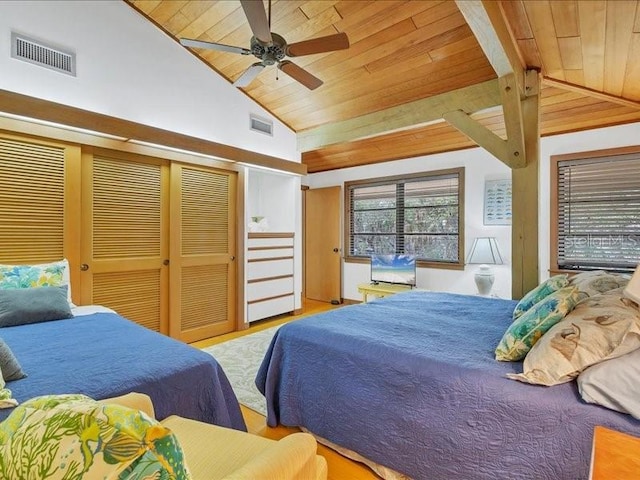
[588, 52]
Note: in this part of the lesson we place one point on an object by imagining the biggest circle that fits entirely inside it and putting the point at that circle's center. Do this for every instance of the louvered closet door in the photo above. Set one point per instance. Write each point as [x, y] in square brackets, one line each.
[203, 267]
[125, 208]
[39, 198]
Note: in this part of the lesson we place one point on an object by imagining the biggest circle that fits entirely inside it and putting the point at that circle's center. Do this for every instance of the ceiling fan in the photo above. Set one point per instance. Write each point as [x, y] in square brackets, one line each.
[271, 48]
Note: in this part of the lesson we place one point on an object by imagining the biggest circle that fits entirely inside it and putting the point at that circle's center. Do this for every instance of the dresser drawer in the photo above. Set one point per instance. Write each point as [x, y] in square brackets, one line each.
[269, 308]
[271, 268]
[258, 290]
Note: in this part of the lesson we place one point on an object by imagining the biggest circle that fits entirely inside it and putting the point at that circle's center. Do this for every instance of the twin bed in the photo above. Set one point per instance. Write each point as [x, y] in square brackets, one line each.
[410, 383]
[101, 354]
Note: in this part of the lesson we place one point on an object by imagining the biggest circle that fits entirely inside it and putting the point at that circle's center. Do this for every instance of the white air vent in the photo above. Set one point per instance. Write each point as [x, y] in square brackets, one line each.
[261, 125]
[36, 52]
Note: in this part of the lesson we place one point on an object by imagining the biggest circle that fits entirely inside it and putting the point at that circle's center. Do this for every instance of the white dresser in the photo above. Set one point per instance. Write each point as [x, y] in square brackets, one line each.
[270, 286]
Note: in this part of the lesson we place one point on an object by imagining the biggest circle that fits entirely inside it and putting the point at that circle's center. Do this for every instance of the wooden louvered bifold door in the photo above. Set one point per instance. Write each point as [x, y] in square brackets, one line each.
[125, 237]
[203, 275]
[39, 197]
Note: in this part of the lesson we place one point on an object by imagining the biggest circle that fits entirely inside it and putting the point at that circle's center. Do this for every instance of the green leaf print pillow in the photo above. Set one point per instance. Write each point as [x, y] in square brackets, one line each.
[73, 437]
[528, 328]
[543, 290]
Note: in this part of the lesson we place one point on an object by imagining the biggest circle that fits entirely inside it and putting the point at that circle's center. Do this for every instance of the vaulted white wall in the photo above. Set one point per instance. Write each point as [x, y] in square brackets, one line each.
[128, 68]
[479, 166]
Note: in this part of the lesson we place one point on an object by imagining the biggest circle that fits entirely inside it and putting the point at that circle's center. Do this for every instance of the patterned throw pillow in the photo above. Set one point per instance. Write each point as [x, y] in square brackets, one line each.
[72, 436]
[529, 327]
[597, 282]
[599, 328]
[541, 291]
[54, 274]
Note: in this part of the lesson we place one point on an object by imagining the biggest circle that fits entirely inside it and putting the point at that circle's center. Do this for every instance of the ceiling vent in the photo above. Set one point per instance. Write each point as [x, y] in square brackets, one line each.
[36, 52]
[261, 125]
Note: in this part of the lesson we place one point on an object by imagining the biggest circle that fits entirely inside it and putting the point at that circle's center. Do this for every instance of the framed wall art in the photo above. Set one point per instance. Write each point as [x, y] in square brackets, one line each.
[497, 202]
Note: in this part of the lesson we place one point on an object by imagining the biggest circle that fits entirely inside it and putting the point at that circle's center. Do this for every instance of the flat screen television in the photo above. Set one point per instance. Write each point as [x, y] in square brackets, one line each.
[393, 269]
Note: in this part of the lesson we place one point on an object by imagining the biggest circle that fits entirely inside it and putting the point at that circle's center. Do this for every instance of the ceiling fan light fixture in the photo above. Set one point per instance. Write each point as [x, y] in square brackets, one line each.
[271, 48]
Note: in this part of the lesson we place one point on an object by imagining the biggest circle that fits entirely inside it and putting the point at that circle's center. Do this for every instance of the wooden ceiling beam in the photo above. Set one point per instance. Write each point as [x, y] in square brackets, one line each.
[481, 135]
[512, 151]
[39, 109]
[571, 87]
[488, 24]
[418, 113]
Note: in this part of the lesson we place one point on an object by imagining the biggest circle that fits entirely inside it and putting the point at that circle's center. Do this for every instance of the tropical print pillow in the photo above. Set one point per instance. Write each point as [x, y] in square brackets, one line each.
[54, 274]
[528, 328]
[540, 292]
[73, 437]
[29, 276]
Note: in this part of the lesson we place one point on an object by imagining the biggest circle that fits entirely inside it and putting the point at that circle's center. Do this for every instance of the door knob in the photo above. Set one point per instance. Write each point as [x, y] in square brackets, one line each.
[84, 267]
[165, 262]
[336, 250]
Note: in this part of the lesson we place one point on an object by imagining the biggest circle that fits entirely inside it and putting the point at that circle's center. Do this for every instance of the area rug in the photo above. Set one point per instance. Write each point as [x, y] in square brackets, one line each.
[240, 359]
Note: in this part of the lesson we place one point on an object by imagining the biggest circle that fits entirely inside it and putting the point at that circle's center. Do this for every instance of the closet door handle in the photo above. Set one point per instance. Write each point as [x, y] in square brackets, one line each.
[165, 262]
[84, 267]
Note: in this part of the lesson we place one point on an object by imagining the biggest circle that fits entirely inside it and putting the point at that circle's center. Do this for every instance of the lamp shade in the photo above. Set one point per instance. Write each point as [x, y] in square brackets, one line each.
[632, 290]
[485, 251]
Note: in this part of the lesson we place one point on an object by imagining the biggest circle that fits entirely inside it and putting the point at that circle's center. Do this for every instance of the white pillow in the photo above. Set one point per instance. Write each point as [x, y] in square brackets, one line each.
[614, 384]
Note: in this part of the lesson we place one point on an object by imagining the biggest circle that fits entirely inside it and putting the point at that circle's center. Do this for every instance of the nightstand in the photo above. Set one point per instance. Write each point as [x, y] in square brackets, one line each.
[615, 455]
[380, 290]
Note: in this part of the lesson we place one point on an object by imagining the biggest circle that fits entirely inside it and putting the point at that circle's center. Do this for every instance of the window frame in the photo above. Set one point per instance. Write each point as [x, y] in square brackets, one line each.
[555, 161]
[459, 171]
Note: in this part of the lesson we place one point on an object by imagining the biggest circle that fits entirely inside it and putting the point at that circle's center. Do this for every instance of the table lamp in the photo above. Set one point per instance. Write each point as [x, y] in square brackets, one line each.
[485, 252]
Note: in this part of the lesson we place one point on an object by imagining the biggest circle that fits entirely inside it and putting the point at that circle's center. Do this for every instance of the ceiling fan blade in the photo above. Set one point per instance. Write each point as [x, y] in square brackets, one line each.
[257, 17]
[300, 74]
[249, 74]
[187, 42]
[330, 43]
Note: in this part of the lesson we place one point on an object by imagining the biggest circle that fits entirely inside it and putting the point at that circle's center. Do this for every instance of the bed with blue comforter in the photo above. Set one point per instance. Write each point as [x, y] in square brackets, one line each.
[104, 355]
[410, 382]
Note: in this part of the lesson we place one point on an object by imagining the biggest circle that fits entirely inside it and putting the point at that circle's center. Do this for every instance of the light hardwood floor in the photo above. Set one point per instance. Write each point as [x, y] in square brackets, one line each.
[340, 468]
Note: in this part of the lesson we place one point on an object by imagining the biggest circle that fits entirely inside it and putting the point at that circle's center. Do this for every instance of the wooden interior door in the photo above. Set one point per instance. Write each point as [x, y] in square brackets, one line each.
[322, 252]
[39, 198]
[203, 251]
[125, 236]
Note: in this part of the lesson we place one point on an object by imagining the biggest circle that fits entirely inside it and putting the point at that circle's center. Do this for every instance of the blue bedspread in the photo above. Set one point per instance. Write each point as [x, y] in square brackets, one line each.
[103, 355]
[410, 382]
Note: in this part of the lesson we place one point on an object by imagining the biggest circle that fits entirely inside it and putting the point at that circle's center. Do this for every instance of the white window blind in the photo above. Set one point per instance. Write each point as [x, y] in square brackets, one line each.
[418, 216]
[599, 213]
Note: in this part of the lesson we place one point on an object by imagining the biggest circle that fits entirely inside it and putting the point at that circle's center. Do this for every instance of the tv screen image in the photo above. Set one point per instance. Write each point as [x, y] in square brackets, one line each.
[393, 269]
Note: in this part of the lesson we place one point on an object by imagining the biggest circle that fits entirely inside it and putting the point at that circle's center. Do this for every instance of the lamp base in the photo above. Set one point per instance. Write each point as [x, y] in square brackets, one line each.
[484, 280]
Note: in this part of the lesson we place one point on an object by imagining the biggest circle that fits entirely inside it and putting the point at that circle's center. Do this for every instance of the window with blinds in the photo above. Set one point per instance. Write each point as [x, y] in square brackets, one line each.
[418, 215]
[597, 212]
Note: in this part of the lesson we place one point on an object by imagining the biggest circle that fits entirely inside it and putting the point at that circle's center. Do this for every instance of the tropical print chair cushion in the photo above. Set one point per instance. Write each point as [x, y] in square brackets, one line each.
[74, 437]
[527, 329]
[543, 290]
